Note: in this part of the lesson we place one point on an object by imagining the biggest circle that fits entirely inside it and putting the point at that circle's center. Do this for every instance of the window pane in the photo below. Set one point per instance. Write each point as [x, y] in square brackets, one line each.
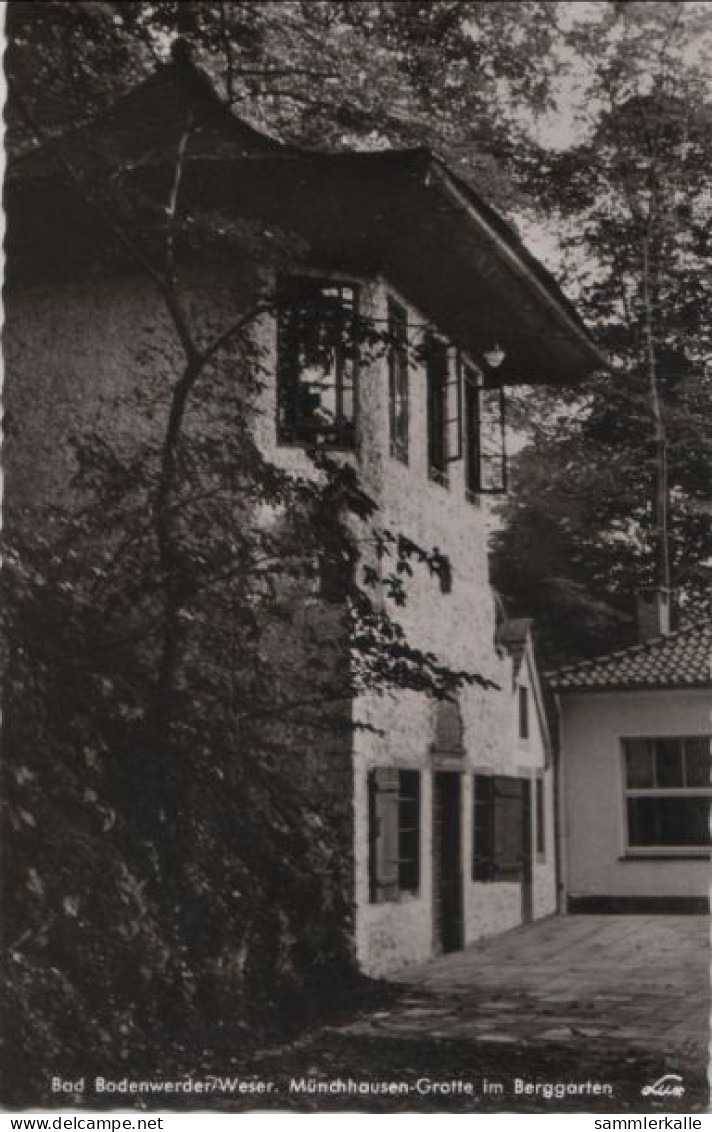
[639, 763]
[697, 761]
[507, 787]
[668, 763]
[345, 410]
[668, 821]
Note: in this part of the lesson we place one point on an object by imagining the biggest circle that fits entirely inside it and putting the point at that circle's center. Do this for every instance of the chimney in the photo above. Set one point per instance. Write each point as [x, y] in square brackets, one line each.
[653, 610]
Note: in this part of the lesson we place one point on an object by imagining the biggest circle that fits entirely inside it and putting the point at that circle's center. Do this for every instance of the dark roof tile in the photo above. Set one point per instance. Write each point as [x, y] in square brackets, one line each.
[680, 660]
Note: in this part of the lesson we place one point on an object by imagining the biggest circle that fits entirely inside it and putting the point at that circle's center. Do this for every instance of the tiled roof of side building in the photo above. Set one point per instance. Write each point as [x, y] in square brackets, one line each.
[682, 659]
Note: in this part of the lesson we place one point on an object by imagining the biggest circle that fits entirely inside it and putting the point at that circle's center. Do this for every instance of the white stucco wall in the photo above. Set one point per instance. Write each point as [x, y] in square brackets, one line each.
[460, 628]
[596, 861]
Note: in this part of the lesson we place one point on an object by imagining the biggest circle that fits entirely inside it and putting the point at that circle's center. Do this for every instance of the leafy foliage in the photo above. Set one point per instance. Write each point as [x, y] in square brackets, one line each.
[447, 74]
[619, 475]
[187, 627]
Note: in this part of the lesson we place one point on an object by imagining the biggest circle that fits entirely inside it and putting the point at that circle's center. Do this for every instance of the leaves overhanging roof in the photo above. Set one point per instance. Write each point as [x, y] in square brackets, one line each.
[444, 227]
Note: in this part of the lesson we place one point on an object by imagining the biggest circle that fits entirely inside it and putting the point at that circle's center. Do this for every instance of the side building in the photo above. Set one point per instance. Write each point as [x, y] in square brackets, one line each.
[447, 806]
[636, 742]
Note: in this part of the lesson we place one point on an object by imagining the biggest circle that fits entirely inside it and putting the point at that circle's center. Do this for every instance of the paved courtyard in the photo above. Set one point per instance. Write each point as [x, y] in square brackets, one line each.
[637, 981]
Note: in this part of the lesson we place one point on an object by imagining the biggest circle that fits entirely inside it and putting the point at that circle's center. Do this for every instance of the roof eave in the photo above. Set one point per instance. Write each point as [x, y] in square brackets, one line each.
[399, 214]
[662, 686]
[523, 264]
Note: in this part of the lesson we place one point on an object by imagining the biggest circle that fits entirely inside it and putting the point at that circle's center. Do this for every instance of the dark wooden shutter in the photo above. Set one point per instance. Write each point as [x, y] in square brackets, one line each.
[523, 712]
[436, 361]
[409, 831]
[472, 431]
[540, 816]
[453, 408]
[383, 799]
[482, 828]
[508, 829]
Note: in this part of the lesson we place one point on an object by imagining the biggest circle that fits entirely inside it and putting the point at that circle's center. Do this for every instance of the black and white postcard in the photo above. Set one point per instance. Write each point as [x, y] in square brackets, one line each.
[357, 552]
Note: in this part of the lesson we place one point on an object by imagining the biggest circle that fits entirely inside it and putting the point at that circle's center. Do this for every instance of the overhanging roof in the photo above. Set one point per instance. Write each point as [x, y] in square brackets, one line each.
[399, 213]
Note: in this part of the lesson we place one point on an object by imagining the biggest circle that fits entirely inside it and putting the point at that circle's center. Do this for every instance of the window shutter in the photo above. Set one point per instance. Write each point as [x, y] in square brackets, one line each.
[384, 791]
[508, 827]
[453, 408]
[436, 363]
[409, 831]
[482, 846]
[540, 816]
[472, 431]
[523, 712]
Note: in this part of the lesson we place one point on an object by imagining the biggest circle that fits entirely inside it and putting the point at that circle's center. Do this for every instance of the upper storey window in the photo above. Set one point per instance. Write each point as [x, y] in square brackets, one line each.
[486, 461]
[465, 418]
[316, 362]
[444, 408]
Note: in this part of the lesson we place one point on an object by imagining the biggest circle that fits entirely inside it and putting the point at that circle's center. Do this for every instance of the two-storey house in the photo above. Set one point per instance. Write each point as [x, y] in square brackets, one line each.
[449, 806]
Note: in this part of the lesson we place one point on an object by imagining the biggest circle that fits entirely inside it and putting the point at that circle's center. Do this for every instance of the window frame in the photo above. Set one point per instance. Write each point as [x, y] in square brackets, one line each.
[293, 428]
[476, 388]
[629, 793]
[442, 365]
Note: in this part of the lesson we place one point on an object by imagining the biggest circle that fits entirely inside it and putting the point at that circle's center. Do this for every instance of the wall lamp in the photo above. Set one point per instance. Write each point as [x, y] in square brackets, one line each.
[495, 356]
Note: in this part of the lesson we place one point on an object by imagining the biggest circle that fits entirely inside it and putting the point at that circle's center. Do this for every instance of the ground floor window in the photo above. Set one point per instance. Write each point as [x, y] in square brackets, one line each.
[667, 792]
[498, 827]
[393, 832]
